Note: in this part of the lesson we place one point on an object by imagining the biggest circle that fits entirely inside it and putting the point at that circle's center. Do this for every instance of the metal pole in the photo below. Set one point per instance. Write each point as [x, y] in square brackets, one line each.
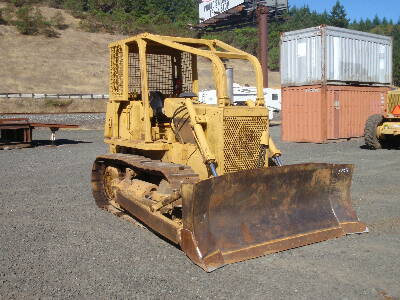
[262, 15]
[229, 80]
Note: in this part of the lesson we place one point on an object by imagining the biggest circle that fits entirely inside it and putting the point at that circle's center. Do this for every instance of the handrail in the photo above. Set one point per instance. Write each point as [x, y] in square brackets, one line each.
[52, 96]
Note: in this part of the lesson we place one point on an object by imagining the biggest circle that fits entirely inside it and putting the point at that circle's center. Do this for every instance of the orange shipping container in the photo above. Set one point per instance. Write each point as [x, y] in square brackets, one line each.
[319, 113]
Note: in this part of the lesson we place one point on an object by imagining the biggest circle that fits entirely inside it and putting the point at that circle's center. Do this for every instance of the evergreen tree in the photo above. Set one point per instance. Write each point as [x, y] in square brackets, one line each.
[361, 25]
[324, 18]
[396, 54]
[338, 16]
[376, 21]
[354, 25]
[368, 24]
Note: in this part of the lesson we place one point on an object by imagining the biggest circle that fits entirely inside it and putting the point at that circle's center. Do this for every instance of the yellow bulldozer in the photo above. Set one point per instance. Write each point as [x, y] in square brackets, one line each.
[208, 177]
[384, 130]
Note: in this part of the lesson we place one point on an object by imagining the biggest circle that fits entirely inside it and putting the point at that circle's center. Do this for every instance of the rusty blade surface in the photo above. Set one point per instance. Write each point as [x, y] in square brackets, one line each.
[341, 200]
[243, 215]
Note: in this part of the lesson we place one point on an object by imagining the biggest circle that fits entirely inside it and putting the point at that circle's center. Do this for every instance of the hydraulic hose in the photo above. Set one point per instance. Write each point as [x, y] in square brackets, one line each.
[277, 160]
[213, 169]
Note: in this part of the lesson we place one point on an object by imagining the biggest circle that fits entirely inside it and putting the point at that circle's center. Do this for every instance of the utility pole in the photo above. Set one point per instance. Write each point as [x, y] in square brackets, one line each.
[262, 20]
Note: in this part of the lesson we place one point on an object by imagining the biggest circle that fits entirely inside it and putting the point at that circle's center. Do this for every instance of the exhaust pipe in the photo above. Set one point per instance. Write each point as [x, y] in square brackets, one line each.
[229, 80]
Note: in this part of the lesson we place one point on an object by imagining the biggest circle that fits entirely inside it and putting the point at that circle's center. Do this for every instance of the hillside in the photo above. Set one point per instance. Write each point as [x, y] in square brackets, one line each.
[76, 62]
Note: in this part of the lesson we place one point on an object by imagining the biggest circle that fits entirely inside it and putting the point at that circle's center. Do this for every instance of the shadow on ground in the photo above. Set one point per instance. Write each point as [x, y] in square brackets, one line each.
[58, 142]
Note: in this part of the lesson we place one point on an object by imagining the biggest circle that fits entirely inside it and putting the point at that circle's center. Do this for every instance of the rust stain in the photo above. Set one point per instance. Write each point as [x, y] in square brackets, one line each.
[247, 236]
[384, 295]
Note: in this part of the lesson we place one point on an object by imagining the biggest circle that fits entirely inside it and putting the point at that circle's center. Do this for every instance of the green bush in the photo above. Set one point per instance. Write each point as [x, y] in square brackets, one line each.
[2, 19]
[76, 7]
[56, 3]
[20, 3]
[30, 21]
[96, 22]
[273, 59]
[89, 25]
[6, 14]
[57, 103]
[27, 21]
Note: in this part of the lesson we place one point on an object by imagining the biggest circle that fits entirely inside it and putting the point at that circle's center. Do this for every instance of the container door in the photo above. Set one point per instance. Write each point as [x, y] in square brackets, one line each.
[336, 115]
[346, 108]
[340, 115]
[349, 107]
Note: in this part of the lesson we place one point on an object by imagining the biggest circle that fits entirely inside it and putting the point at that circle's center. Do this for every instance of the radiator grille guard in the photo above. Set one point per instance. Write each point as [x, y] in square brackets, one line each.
[393, 101]
[242, 142]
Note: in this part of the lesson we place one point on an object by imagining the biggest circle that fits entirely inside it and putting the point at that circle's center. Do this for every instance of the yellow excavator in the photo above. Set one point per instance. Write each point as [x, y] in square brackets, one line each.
[208, 177]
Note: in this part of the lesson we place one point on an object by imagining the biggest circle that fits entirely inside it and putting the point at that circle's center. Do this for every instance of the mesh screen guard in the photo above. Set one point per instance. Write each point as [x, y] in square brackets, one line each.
[242, 136]
[116, 71]
[170, 74]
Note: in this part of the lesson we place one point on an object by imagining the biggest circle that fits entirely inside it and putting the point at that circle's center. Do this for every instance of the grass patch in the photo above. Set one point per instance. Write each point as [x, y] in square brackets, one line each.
[57, 103]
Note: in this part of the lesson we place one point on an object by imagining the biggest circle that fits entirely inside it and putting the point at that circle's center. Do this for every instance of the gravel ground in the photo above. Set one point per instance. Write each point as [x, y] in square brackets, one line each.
[85, 121]
[55, 243]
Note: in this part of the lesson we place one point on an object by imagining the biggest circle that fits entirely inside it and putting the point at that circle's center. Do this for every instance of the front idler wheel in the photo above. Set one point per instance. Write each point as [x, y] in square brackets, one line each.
[104, 180]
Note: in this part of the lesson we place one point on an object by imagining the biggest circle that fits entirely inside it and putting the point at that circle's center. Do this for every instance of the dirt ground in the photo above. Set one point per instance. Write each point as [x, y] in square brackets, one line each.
[55, 243]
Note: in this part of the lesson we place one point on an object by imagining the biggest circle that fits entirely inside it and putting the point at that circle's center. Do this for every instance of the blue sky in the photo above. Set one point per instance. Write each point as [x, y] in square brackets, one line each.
[356, 9]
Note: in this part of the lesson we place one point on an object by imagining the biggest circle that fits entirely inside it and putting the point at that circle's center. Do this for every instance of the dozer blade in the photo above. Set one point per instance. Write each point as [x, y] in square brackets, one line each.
[251, 213]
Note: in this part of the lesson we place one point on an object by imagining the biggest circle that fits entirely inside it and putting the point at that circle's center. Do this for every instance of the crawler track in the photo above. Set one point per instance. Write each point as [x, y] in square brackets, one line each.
[175, 174]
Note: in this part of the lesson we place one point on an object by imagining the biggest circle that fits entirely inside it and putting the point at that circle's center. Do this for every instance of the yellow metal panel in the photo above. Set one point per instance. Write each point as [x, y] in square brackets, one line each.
[115, 120]
[139, 144]
[171, 105]
[136, 123]
[145, 90]
[108, 123]
[230, 55]
[390, 128]
[189, 155]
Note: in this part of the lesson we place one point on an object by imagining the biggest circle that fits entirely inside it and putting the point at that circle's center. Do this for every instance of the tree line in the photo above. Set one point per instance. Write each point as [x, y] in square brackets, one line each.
[173, 17]
[303, 17]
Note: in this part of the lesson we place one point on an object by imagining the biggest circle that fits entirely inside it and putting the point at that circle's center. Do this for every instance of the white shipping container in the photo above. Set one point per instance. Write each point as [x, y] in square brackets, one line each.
[331, 55]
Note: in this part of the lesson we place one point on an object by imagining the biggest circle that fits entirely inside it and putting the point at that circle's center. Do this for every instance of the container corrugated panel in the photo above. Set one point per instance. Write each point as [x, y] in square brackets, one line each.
[331, 55]
[320, 113]
[301, 114]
